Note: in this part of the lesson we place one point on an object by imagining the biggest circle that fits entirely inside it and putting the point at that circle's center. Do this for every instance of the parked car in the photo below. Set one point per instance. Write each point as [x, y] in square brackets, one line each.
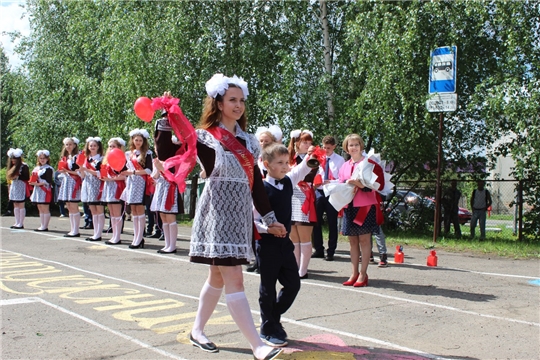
[408, 209]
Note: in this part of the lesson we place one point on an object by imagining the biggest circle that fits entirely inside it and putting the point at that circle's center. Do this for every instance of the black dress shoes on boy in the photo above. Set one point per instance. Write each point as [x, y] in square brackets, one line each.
[208, 347]
[317, 255]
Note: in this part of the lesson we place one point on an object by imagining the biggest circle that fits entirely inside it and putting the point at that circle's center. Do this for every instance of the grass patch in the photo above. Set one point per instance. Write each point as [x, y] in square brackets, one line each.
[496, 244]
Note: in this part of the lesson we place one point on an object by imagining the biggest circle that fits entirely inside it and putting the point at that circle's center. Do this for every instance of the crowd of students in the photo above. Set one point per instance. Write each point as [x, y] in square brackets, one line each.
[255, 189]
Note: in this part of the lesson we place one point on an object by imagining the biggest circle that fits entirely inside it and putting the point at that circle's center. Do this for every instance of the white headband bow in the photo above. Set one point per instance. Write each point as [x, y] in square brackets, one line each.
[14, 153]
[68, 139]
[118, 140]
[219, 83]
[273, 129]
[96, 139]
[141, 132]
[296, 133]
[43, 152]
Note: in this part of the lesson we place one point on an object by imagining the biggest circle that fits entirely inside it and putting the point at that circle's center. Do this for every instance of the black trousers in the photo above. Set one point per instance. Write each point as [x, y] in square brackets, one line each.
[276, 263]
[323, 206]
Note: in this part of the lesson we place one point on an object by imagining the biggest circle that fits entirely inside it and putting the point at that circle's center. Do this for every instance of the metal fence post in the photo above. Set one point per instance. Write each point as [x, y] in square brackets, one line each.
[520, 210]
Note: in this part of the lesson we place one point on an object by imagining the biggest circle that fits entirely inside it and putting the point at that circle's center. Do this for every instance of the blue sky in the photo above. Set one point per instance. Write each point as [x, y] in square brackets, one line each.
[12, 19]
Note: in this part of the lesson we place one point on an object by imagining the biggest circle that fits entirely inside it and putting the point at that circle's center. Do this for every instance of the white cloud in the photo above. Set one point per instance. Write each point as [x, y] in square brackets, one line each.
[12, 18]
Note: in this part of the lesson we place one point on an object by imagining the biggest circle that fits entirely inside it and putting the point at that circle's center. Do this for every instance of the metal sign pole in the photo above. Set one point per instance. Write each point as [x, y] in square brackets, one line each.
[437, 222]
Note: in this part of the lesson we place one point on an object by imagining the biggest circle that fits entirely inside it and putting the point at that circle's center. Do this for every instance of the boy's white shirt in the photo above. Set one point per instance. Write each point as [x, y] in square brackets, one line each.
[336, 162]
[296, 174]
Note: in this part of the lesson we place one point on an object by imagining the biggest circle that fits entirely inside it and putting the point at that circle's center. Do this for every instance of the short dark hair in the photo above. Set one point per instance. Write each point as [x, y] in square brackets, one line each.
[329, 139]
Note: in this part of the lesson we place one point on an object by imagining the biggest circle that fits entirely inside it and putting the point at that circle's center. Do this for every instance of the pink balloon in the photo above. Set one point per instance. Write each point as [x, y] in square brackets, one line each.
[143, 109]
[116, 159]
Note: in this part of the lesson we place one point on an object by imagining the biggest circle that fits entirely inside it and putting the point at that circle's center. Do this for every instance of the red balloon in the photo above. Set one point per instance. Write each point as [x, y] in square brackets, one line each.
[143, 109]
[116, 159]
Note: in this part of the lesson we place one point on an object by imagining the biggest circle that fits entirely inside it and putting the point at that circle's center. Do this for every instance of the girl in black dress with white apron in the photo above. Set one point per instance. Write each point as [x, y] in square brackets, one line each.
[18, 174]
[42, 180]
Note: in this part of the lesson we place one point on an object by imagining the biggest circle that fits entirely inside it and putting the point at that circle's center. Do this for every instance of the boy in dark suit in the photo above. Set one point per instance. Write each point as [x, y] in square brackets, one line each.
[276, 253]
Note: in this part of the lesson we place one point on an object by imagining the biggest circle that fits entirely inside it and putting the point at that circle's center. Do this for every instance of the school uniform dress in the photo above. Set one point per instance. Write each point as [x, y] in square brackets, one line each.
[166, 197]
[111, 190]
[277, 261]
[135, 191]
[91, 184]
[365, 200]
[42, 194]
[299, 216]
[222, 231]
[18, 188]
[70, 188]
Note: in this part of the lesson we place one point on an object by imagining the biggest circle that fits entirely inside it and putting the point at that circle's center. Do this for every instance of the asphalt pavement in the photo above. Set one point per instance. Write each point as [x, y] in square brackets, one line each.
[67, 298]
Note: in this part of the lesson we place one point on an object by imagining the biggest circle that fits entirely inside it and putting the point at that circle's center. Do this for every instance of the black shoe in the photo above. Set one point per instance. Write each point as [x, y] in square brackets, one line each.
[305, 276]
[383, 261]
[92, 239]
[141, 245]
[69, 235]
[155, 235]
[41, 229]
[166, 252]
[329, 258]
[252, 268]
[208, 347]
[317, 255]
[272, 354]
[16, 227]
[111, 243]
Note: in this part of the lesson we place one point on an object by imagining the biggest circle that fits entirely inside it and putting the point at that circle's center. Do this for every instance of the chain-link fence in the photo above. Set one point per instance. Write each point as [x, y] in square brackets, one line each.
[412, 207]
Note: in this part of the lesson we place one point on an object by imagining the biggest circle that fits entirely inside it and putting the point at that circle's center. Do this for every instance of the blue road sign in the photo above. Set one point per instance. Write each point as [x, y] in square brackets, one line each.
[442, 70]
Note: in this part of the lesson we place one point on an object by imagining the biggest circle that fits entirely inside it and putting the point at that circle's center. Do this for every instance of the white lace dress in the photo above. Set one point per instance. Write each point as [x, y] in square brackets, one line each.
[223, 224]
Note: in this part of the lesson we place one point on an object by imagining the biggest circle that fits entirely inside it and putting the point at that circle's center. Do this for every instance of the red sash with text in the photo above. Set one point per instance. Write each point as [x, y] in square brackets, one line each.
[244, 157]
[308, 207]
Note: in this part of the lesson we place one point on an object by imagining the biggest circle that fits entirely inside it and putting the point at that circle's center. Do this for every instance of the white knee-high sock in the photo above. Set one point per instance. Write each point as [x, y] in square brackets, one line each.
[239, 308]
[22, 214]
[165, 232]
[208, 300]
[116, 224]
[173, 233]
[95, 223]
[99, 225]
[305, 255]
[142, 224]
[73, 224]
[76, 222]
[45, 221]
[297, 253]
[40, 222]
[17, 216]
[135, 220]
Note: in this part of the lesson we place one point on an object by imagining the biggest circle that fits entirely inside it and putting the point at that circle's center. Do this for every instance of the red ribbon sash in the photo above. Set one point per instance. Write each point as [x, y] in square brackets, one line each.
[308, 207]
[169, 201]
[150, 187]
[244, 157]
[78, 182]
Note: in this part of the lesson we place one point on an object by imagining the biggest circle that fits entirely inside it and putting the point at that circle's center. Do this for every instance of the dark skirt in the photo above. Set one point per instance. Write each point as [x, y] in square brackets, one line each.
[229, 261]
[350, 228]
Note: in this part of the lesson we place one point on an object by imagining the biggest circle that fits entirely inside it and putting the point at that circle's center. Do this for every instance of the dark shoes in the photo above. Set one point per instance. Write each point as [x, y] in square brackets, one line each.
[112, 243]
[141, 245]
[92, 239]
[166, 252]
[383, 260]
[329, 258]
[305, 276]
[208, 347]
[155, 235]
[272, 354]
[253, 268]
[70, 235]
[87, 226]
[273, 340]
[317, 255]
[16, 227]
[41, 230]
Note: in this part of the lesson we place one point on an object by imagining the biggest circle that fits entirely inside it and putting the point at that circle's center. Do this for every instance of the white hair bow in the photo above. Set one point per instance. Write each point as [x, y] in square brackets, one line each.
[96, 139]
[276, 131]
[43, 152]
[219, 83]
[68, 139]
[118, 140]
[141, 132]
[14, 153]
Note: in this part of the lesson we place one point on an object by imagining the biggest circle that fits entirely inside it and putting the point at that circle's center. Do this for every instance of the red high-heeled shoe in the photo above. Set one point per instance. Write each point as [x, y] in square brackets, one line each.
[362, 283]
[351, 282]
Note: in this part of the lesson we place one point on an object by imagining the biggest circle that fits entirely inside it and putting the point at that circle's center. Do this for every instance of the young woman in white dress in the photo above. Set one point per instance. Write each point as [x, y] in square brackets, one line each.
[70, 186]
[42, 196]
[18, 174]
[91, 184]
[139, 168]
